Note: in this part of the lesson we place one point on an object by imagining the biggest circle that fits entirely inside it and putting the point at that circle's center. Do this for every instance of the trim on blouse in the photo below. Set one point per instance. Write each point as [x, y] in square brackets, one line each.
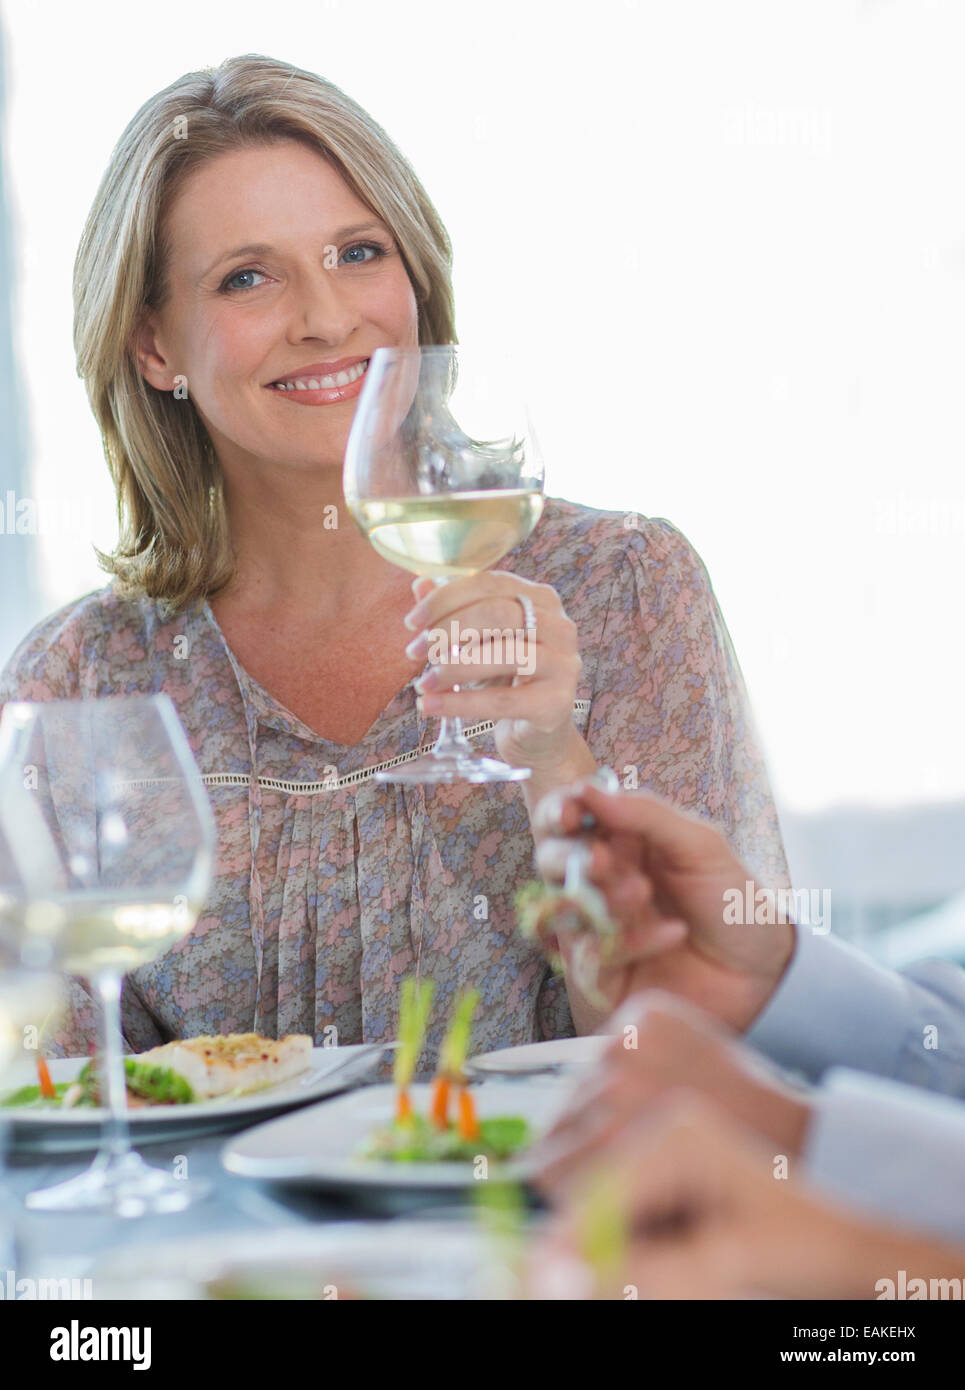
[351, 779]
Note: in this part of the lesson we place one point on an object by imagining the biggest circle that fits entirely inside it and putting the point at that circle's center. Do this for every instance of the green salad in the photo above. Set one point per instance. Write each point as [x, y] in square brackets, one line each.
[420, 1141]
[158, 1085]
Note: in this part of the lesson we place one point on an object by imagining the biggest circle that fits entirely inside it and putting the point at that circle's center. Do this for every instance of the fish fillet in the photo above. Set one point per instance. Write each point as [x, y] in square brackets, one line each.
[215, 1065]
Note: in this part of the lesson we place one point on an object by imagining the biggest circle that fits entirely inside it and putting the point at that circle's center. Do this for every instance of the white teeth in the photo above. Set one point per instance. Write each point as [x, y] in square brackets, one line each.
[325, 383]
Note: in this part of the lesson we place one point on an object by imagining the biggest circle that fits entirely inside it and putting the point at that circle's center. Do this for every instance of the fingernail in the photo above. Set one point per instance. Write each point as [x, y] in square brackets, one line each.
[413, 648]
[414, 618]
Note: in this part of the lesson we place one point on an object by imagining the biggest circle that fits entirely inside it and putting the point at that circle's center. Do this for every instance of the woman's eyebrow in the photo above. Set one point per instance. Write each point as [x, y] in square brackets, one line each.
[260, 248]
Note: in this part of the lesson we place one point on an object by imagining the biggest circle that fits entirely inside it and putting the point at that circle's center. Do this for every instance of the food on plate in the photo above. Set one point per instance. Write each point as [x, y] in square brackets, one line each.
[232, 1064]
[219, 1066]
[414, 1005]
[540, 907]
[578, 909]
[577, 905]
[441, 1135]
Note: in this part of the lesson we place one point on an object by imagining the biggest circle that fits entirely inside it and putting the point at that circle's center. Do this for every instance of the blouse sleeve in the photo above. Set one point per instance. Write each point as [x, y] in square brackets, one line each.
[47, 666]
[670, 711]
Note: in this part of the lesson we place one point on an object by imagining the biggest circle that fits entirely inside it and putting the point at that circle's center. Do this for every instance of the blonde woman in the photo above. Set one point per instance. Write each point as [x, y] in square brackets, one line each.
[255, 238]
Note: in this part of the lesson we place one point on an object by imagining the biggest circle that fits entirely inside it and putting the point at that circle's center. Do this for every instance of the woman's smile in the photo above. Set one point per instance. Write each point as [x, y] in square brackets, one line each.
[323, 383]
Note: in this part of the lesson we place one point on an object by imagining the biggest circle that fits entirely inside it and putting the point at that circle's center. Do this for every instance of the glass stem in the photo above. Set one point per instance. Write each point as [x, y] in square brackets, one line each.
[117, 1141]
[451, 742]
[9, 1211]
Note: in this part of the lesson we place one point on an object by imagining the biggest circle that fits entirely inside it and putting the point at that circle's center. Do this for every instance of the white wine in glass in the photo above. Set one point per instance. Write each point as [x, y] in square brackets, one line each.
[460, 534]
[94, 934]
[444, 476]
[108, 824]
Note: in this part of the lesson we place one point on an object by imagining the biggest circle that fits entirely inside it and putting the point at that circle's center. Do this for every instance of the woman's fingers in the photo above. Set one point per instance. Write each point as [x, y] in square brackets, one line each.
[472, 633]
[545, 704]
[493, 593]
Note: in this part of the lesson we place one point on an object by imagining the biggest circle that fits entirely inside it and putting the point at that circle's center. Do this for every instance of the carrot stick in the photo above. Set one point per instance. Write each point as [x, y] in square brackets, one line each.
[403, 1106]
[47, 1088]
[468, 1120]
[439, 1109]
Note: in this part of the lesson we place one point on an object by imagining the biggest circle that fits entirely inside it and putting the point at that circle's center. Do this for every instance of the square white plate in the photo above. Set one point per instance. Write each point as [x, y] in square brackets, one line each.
[319, 1146]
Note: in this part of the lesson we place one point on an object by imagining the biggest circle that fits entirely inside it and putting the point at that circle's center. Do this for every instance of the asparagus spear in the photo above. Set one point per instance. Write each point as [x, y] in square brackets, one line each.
[450, 1067]
[414, 1005]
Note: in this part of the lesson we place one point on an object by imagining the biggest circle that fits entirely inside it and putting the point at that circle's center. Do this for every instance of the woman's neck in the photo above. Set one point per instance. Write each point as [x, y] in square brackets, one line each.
[299, 551]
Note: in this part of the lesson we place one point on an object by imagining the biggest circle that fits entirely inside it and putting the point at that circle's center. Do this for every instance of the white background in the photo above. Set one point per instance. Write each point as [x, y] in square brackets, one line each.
[729, 240]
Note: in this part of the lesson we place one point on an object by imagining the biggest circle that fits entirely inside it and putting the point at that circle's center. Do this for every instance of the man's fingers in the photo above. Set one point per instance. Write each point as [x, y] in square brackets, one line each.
[552, 854]
[559, 812]
[640, 943]
[560, 1160]
[643, 813]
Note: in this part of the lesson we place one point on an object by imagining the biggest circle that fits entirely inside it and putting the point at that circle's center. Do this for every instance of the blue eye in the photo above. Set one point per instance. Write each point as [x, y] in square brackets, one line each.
[230, 285]
[377, 251]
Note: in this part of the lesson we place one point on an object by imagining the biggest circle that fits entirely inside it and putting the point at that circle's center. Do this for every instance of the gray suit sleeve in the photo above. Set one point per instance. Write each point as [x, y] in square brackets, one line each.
[837, 1007]
[890, 1151]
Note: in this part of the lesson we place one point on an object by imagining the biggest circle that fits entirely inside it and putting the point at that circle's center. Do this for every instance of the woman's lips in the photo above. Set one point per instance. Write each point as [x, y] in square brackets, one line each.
[320, 395]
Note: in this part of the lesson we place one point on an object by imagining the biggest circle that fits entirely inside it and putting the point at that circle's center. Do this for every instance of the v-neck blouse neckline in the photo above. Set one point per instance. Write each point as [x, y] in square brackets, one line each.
[272, 712]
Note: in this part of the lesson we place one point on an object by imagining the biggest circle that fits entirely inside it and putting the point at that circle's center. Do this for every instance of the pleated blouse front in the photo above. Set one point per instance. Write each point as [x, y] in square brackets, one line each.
[329, 887]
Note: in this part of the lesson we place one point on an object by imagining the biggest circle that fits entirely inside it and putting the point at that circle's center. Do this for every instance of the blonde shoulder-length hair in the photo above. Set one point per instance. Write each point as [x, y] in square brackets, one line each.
[173, 542]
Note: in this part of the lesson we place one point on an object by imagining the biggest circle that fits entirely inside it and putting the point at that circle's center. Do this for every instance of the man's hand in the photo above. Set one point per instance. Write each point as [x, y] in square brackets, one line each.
[704, 1212]
[659, 867]
[663, 1045]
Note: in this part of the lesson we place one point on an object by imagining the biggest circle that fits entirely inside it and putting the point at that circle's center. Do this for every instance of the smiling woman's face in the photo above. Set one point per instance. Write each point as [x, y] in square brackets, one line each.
[278, 276]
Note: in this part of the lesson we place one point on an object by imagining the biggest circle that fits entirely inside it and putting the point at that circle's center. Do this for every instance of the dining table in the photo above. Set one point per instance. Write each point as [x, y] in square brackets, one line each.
[69, 1245]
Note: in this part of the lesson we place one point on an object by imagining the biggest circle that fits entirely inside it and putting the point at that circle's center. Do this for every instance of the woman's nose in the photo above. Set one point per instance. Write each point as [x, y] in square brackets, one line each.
[321, 309]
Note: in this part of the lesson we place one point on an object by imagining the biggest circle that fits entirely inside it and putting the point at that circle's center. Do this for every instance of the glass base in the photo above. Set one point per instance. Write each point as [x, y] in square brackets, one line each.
[126, 1186]
[450, 767]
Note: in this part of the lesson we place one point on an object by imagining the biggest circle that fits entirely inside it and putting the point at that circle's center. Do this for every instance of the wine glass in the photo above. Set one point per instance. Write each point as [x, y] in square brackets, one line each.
[29, 1002]
[111, 832]
[444, 476]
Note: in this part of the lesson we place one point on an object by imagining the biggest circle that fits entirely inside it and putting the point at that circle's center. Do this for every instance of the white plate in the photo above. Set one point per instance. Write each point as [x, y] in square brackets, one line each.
[61, 1131]
[318, 1147]
[559, 1055]
[371, 1259]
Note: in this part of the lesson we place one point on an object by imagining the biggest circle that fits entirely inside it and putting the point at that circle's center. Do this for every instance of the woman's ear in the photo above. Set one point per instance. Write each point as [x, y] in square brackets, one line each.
[150, 356]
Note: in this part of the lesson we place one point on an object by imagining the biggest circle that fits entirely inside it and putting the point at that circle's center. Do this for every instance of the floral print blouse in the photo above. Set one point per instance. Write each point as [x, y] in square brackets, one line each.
[329, 887]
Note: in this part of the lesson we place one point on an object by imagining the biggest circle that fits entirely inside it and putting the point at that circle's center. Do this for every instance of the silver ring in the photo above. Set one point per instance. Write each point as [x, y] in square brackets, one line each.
[529, 612]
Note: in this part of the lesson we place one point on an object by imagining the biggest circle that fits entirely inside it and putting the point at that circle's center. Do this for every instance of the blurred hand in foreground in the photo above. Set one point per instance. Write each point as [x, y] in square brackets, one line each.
[664, 1045]
[694, 1206]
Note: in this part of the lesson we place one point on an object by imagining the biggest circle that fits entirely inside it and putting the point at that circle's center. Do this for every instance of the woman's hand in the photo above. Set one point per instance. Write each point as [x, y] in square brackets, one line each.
[656, 866]
[705, 1213]
[531, 676]
[663, 1045]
